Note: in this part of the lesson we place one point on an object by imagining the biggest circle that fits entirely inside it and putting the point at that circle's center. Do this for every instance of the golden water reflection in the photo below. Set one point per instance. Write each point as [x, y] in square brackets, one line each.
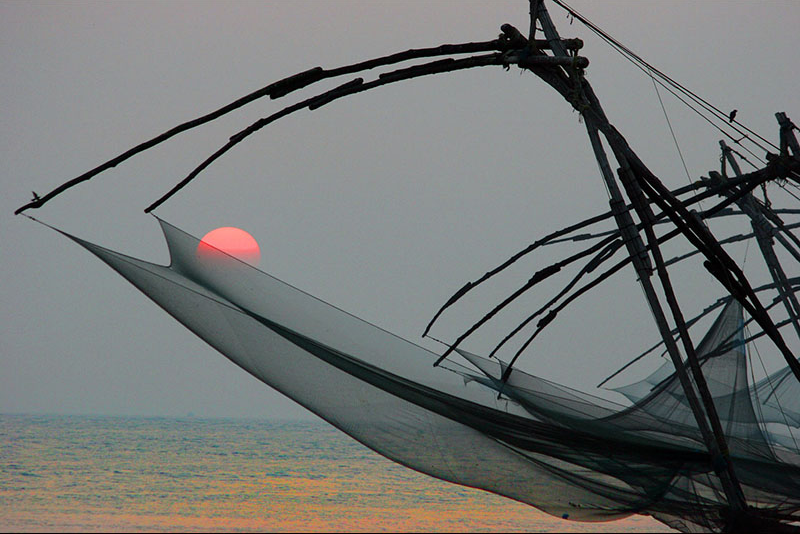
[159, 474]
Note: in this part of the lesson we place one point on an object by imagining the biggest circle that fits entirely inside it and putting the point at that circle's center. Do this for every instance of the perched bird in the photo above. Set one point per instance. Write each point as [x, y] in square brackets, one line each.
[732, 115]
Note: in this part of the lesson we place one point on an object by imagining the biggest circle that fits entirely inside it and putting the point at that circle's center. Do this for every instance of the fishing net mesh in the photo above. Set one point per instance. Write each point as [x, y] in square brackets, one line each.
[565, 452]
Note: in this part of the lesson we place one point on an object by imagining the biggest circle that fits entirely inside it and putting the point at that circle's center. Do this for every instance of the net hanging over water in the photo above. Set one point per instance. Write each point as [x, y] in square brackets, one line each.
[565, 452]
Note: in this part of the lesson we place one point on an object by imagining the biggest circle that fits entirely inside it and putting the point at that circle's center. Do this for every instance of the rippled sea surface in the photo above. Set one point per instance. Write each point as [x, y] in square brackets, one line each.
[80, 473]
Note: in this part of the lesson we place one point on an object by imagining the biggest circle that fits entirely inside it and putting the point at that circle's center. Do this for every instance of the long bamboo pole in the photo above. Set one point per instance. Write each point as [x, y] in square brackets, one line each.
[274, 90]
[763, 231]
[713, 436]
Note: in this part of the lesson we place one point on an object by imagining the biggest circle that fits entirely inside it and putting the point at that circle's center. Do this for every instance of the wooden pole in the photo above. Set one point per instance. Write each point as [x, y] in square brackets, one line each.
[713, 437]
[764, 232]
[274, 90]
[787, 134]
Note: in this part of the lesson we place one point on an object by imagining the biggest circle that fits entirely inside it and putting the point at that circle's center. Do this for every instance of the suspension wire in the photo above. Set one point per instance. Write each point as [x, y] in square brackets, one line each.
[732, 138]
[722, 131]
[627, 52]
[744, 158]
[671, 131]
[746, 248]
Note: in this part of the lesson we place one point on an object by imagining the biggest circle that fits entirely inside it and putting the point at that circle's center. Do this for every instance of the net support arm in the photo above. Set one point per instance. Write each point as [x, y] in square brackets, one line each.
[350, 88]
[763, 231]
[275, 90]
[582, 97]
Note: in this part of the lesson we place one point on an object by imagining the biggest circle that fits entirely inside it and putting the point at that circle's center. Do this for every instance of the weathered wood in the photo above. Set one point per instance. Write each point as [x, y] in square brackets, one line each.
[334, 93]
[274, 90]
[569, 44]
[327, 97]
[721, 206]
[588, 105]
[720, 302]
[538, 277]
[716, 441]
[516, 37]
[713, 437]
[722, 265]
[787, 133]
[550, 61]
[534, 13]
[595, 262]
[715, 210]
[697, 234]
[764, 233]
[766, 215]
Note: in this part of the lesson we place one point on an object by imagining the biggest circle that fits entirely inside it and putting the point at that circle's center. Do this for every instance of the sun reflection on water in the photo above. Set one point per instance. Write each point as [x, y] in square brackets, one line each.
[160, 474]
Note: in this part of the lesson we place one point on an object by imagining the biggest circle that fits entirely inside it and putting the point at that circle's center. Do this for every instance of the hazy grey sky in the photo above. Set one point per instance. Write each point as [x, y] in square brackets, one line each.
[383, 203]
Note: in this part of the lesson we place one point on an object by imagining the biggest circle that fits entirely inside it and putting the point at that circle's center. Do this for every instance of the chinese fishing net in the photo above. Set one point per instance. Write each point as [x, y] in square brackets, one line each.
[565, 452]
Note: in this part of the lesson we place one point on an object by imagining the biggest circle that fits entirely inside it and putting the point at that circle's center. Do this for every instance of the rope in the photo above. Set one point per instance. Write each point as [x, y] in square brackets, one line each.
[671, 131]
[643, 65]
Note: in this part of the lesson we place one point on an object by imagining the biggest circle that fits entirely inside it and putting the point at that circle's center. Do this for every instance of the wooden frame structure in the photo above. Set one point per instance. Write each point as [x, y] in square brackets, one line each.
[556, 61]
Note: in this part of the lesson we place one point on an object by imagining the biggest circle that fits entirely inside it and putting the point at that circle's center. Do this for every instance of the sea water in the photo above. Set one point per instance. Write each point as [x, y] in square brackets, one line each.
[82, 473]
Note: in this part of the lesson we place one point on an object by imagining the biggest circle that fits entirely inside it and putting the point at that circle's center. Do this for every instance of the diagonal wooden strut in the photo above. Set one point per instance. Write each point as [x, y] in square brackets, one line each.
[578, 91]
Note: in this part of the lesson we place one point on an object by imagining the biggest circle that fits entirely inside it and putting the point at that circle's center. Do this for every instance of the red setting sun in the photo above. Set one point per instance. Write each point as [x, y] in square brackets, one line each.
[232, 241]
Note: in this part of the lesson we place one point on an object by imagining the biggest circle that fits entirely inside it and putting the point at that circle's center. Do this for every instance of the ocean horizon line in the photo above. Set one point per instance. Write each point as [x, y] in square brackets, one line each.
[188, 416]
